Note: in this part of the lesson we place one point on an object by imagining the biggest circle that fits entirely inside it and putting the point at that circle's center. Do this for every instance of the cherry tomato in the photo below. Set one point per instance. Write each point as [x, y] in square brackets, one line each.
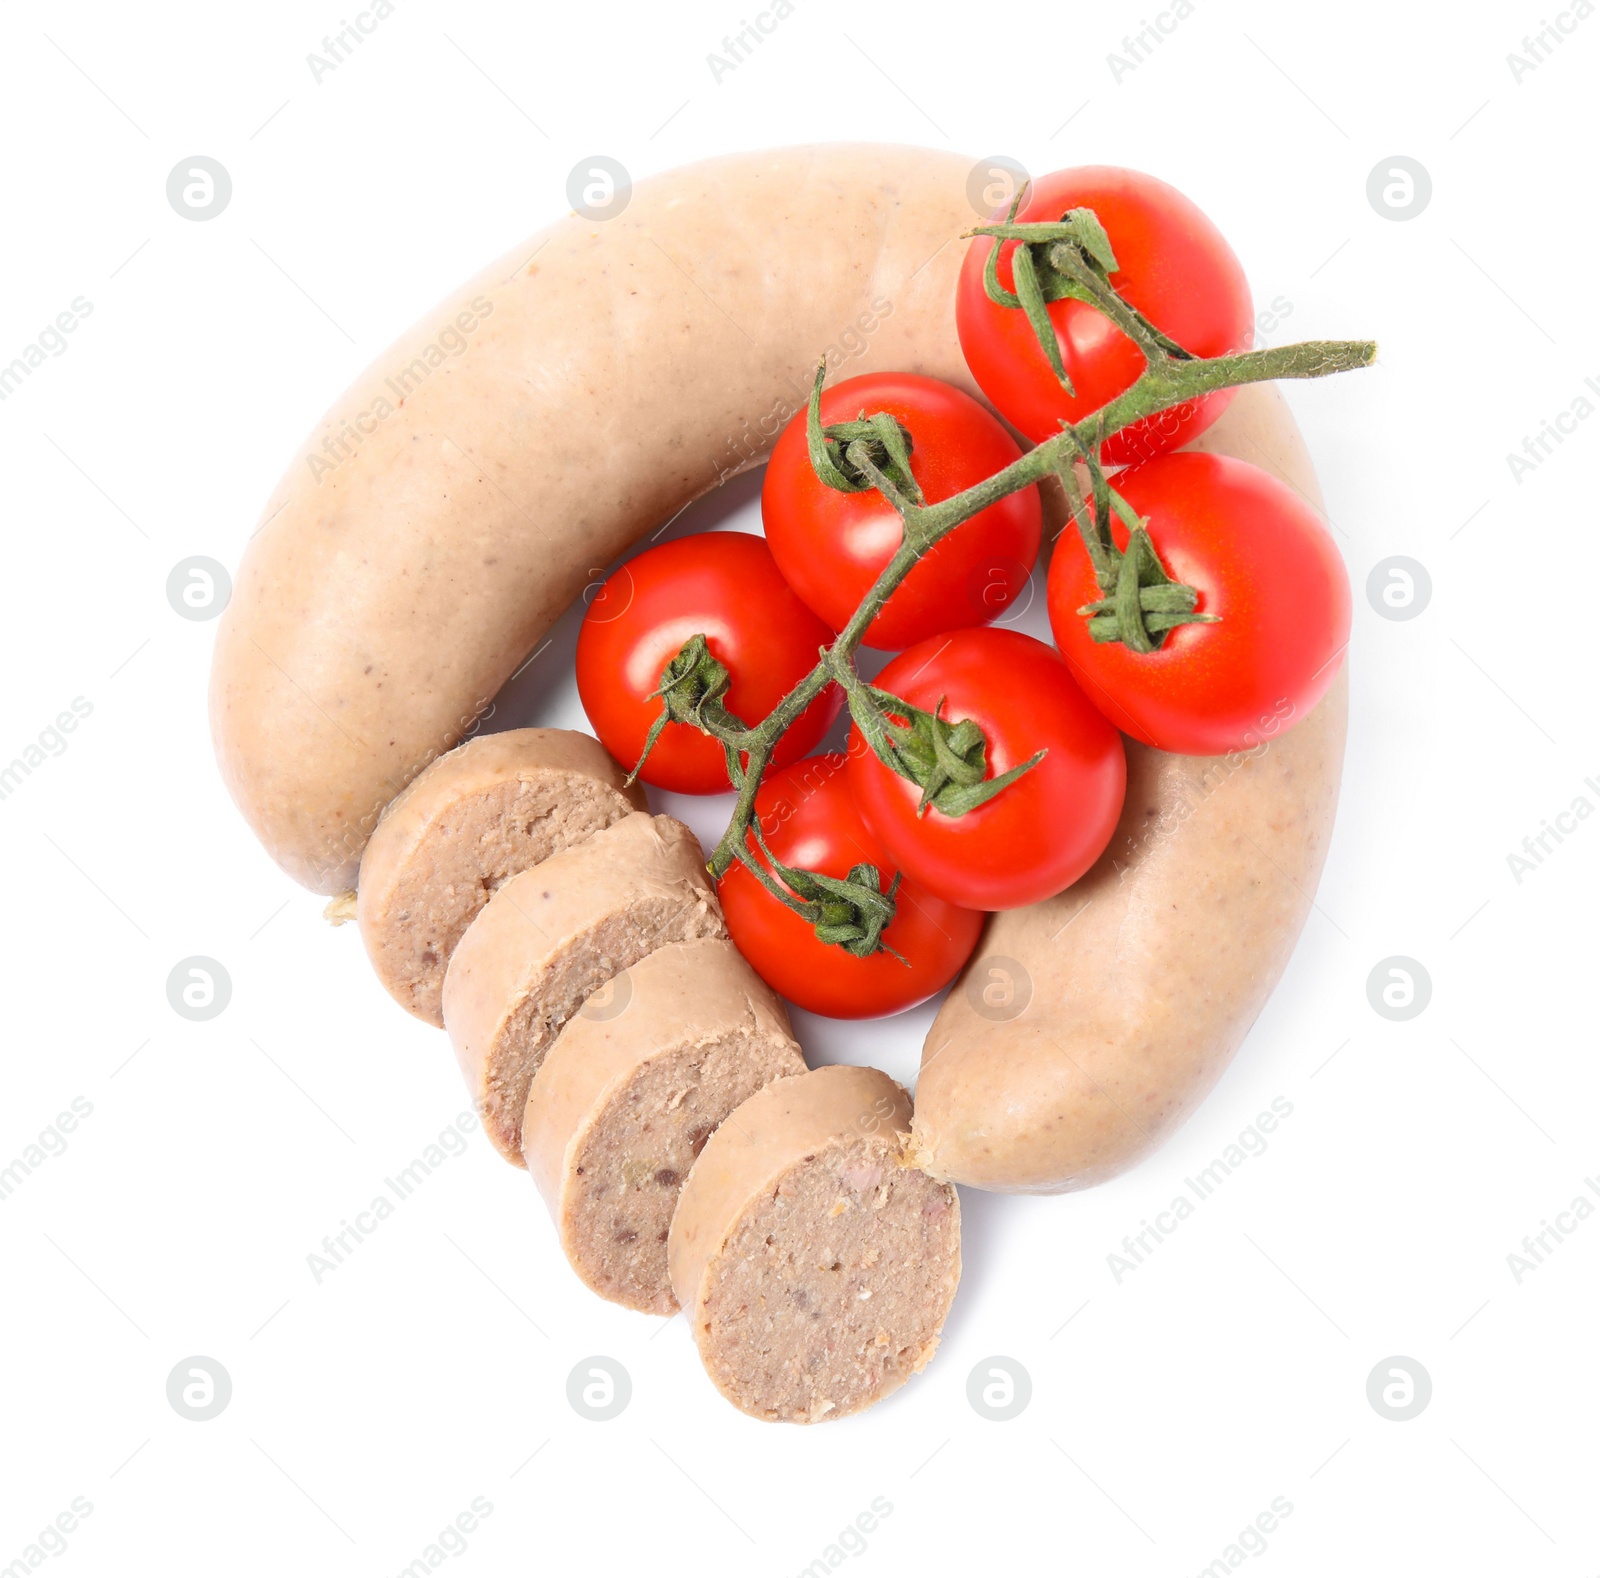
[725, 586]
[1262, 561]
[1039, 834]
[831, 545]
[811, 823]
[1173, 265]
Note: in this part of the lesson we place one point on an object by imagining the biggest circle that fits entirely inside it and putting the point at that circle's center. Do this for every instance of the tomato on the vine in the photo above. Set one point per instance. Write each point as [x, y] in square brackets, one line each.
[831, 545]
[1262, 563]
[810, 823]
[1040, 833]
[1173, 265]
[725, 586]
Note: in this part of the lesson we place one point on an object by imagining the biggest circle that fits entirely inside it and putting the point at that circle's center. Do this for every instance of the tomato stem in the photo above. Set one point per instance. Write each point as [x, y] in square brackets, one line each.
[1139, 601]
[846, 456]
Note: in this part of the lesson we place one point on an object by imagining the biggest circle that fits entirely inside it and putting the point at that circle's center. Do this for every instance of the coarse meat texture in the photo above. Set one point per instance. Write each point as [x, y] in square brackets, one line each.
[564, 983]
[550, 938]
[831, 1290]
[628, 1166]
[415, 908]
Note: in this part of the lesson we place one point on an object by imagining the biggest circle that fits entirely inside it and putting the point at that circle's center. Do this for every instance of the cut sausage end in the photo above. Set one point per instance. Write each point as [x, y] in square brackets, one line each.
[627, 1098]
[816, 1265]
[475, 818]
[550, 938]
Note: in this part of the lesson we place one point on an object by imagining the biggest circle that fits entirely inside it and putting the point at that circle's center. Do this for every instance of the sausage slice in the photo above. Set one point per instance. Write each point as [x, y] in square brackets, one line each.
[475, 817]
[628, 1095]
[550, 937]
[815, 1264]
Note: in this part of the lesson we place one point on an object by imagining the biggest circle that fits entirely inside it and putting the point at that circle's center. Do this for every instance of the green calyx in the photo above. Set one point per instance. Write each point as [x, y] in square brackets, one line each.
[852, 457]
[1065, 259]
[850, 912]
[1143, 601]
[946, 760]
[1140, 602]
[692, 688]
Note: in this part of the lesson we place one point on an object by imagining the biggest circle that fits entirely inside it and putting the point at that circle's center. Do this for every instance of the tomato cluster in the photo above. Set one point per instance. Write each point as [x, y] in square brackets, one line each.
[964, 704]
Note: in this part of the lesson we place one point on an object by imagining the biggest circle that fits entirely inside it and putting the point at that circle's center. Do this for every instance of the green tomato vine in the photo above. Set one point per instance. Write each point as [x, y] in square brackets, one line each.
[1139, 605]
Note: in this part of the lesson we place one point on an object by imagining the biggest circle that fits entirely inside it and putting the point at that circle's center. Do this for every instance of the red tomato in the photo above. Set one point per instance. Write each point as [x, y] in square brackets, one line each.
[831, 545]
[1262, 561]
[722, 585]
[1173, 265]
[811, 824]
[1039, 834]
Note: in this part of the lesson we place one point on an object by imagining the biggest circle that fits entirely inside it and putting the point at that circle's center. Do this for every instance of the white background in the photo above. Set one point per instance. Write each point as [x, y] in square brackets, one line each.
[1169, 1409]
